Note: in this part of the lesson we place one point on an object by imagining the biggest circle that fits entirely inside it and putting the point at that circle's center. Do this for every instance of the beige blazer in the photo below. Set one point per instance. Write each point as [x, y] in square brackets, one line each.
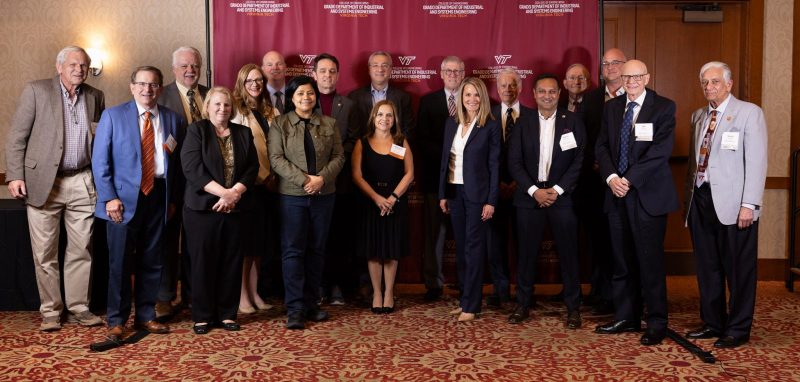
[35, 139]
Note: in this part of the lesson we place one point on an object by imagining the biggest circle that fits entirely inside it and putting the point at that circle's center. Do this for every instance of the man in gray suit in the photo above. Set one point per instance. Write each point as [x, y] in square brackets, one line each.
[724, 190]
[48, 158]
[338, 267]
[185, 97]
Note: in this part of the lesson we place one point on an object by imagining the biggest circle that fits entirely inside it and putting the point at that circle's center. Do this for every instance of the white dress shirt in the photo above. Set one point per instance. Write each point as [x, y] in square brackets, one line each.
[158, 133]
[455, 175]
[547, 131]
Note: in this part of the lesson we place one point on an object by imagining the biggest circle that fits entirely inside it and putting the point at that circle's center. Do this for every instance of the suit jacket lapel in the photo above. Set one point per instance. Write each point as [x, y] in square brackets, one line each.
[561, 126]
[472, 133]
[617, 115]
[132, 114]
[58, 111]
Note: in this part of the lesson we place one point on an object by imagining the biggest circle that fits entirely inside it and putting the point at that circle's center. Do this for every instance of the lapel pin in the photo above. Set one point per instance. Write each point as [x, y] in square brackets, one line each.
[729, 118]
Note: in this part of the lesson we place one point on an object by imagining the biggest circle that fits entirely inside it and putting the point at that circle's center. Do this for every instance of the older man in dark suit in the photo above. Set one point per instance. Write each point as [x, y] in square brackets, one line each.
[434, 110]
[184, 96]
[135, 165]
[544, 157]
[380, 71]
[510, 110]
[633, 151]
[48, 158]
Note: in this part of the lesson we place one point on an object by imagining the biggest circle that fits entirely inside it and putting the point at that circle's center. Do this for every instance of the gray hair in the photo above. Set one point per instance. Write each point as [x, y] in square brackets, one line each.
[186, 49]
[452, 59]
[62, 55]
[514, 73]
[380, 53]
[726, 70]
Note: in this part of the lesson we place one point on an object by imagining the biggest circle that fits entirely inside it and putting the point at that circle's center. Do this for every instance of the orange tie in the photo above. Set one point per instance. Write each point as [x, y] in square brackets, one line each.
[148, 155]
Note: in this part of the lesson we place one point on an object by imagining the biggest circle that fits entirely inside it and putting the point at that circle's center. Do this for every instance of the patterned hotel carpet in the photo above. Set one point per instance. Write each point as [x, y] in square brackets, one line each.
[419, 342]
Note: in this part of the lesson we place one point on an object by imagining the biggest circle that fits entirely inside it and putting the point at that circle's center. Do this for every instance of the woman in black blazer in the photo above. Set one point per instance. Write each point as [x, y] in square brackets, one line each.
[220, 163]
[469, 179]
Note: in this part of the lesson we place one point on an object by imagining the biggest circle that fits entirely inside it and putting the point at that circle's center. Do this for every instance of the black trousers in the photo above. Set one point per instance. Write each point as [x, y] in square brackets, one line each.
[564, 224]
[214, 245]
[637, 242]
[723, 253]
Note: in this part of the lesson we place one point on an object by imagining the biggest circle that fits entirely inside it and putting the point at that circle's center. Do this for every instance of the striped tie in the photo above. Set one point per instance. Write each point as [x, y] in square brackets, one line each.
[148, 155]
[451, 105]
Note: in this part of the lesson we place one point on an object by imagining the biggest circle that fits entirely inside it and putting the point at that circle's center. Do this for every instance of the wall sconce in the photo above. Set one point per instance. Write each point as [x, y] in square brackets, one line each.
[97, 61]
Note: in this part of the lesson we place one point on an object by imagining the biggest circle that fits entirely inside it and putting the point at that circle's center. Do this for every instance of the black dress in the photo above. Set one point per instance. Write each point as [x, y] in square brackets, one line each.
[382, 237]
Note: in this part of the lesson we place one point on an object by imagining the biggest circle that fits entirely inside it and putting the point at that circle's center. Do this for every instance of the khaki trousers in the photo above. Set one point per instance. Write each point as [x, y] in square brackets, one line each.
[74, 197]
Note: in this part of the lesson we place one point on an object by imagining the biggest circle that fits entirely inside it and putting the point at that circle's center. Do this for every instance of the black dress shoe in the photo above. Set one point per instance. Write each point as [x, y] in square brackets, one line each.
[620, 326]
[520, 314]
[727, 342]
[574, 320]
[433, 294]
[703, 332]
[295, 321]
[231, 326]
[317, 315]
[652, 337]
[201, 328]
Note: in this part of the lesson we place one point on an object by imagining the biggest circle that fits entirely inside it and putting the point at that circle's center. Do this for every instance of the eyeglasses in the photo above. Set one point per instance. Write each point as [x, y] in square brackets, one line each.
[147, 85]
[578, 78]
[614, 63]
[382, 66]
[635, 77]
[255, 80]
[452, 72]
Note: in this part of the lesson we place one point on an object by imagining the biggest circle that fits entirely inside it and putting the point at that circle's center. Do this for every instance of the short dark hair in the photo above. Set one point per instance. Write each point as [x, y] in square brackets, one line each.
[148, 68]
[544, 76]
[292, 86]
[325, 56]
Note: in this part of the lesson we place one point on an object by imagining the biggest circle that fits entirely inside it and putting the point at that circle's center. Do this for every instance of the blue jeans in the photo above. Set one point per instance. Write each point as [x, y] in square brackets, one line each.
[304, 232]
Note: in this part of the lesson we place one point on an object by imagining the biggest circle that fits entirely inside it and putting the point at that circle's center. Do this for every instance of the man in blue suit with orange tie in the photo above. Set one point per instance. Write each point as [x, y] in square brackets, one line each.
[135, 165]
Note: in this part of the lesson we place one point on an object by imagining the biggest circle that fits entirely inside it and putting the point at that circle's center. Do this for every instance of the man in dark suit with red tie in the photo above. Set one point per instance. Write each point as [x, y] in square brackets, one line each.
[545, 154]
[434, 110]
[633, 152]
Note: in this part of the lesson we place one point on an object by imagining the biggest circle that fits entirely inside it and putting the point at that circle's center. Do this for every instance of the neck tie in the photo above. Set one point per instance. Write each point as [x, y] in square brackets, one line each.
[509, 124]
[451, 105]
[193, 106]
[625, 138]
[705, 150]
[148, 155]
[279, 101]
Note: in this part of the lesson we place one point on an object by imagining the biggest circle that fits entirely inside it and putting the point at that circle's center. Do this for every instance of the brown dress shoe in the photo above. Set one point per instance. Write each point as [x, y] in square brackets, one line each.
[152, 327]
[115, 333]
[163, 309]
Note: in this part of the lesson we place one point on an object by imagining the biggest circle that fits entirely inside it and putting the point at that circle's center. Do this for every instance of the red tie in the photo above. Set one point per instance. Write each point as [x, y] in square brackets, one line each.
[148, 155]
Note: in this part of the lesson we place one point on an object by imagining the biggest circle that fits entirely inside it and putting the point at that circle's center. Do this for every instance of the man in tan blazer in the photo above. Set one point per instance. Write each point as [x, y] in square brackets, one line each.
[48, 159]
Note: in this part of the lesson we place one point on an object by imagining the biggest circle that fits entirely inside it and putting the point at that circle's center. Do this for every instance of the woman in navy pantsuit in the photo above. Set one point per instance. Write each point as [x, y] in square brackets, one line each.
[468, 187]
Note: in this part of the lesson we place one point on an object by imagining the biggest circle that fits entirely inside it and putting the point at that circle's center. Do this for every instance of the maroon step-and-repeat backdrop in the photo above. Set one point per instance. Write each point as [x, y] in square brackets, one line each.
[531, 36]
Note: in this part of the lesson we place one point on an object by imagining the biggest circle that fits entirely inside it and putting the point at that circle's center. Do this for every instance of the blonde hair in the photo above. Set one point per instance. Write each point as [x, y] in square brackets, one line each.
[484, 111]
[243, 101]
[211, 93]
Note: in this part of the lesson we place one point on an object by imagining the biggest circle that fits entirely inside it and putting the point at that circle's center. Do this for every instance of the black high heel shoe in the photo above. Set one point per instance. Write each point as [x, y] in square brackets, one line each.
[387, 309]
[377, 310]
[200, 328]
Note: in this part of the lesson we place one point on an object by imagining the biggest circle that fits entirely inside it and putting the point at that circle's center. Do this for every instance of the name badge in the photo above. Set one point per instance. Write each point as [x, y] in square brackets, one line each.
[170, 144]
[730, 140]
[644, 132]
[568, 142]
[398, 152]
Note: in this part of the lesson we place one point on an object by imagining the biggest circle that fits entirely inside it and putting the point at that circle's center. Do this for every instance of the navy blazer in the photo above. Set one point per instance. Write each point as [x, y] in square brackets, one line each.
[481, 161]
[117, 158]
[648, 171]
[524, 111]
[523, 156]
[202, 162]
